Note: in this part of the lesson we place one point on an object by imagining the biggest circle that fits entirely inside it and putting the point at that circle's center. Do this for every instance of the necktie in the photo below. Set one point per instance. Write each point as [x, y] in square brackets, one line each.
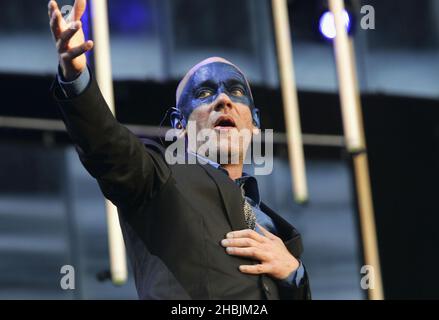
[249, 215]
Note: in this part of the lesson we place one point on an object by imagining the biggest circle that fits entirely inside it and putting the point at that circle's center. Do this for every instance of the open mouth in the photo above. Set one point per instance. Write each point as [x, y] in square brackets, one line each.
[224, 123]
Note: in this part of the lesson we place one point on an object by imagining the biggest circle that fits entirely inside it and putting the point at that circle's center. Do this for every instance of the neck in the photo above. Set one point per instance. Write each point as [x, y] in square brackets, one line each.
[234, 170]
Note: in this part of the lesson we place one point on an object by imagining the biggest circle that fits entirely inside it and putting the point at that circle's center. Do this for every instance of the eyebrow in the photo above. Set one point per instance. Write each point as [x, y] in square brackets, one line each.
[235, 81]
[206, 83]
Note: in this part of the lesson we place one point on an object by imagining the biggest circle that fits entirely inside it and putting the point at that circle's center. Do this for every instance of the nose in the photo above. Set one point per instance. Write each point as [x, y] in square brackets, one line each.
[223, 101]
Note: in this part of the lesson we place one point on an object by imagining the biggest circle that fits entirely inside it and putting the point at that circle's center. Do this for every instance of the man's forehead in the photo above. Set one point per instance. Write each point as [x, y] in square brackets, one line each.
[210, 69]
[215, 71]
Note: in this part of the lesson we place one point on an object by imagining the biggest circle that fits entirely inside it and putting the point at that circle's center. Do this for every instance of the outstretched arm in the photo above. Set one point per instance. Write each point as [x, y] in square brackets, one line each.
[127, 172]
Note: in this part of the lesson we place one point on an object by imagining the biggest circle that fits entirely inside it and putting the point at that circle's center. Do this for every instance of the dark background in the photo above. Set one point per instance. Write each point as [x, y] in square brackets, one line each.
[397, 65]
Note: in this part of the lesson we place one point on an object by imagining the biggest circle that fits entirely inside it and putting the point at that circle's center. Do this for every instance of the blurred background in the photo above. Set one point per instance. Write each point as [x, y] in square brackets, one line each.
[52, 212]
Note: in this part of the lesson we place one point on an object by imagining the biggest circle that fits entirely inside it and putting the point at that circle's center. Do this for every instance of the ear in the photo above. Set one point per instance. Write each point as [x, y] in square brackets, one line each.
[256, 118]
[177, 119]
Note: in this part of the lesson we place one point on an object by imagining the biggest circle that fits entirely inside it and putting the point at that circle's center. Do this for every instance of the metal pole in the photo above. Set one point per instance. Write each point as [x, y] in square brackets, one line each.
[356, 145]
[101, 35]
[290, 100]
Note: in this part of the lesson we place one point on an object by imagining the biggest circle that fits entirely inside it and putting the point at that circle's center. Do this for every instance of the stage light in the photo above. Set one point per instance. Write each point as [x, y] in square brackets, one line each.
[327, 24]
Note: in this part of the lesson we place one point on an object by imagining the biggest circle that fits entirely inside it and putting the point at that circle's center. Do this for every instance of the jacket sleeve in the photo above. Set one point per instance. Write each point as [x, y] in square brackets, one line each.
[296, 292]
[128, 172]
[300, 291]
[293, 242]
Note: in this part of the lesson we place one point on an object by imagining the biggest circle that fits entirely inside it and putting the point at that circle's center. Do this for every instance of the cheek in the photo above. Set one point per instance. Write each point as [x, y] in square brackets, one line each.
[246, 116]
[201, 116]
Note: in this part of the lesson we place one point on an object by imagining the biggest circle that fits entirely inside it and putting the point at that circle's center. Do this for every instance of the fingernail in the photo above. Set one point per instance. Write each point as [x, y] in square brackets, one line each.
[229, 249]
[225, 242]
[229, 235]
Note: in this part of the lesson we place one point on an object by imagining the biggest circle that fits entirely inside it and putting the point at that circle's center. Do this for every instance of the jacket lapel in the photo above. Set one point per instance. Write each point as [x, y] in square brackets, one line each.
[233, 204]
[230, 195]
[289, 235]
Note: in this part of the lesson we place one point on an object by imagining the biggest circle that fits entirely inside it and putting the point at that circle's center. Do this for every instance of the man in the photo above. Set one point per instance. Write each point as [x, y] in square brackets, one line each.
[192, 231]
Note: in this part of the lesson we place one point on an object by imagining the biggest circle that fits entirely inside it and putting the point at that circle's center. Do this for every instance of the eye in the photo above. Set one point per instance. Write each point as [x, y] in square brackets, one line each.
[237, 91]
[204, 93]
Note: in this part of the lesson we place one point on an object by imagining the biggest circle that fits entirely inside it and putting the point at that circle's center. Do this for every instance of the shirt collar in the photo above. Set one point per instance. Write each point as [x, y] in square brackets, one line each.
[250, 187]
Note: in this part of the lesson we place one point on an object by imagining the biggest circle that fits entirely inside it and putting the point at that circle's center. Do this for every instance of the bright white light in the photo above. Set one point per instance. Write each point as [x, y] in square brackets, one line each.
[327, 24]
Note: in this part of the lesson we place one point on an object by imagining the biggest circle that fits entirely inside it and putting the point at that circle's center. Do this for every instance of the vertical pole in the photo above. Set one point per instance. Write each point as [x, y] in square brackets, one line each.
[72, 226]
[101, 35]
[290, 100]
[356, 145]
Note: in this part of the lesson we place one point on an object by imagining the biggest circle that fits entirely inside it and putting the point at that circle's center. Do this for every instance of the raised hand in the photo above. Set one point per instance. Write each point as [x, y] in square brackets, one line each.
[69, 39]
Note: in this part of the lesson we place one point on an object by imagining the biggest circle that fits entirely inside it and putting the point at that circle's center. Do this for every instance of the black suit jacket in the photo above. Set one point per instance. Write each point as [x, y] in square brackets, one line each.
[173, 217]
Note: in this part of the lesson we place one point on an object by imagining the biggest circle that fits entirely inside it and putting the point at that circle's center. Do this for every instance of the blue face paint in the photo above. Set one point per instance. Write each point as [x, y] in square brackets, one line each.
[208, 82]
